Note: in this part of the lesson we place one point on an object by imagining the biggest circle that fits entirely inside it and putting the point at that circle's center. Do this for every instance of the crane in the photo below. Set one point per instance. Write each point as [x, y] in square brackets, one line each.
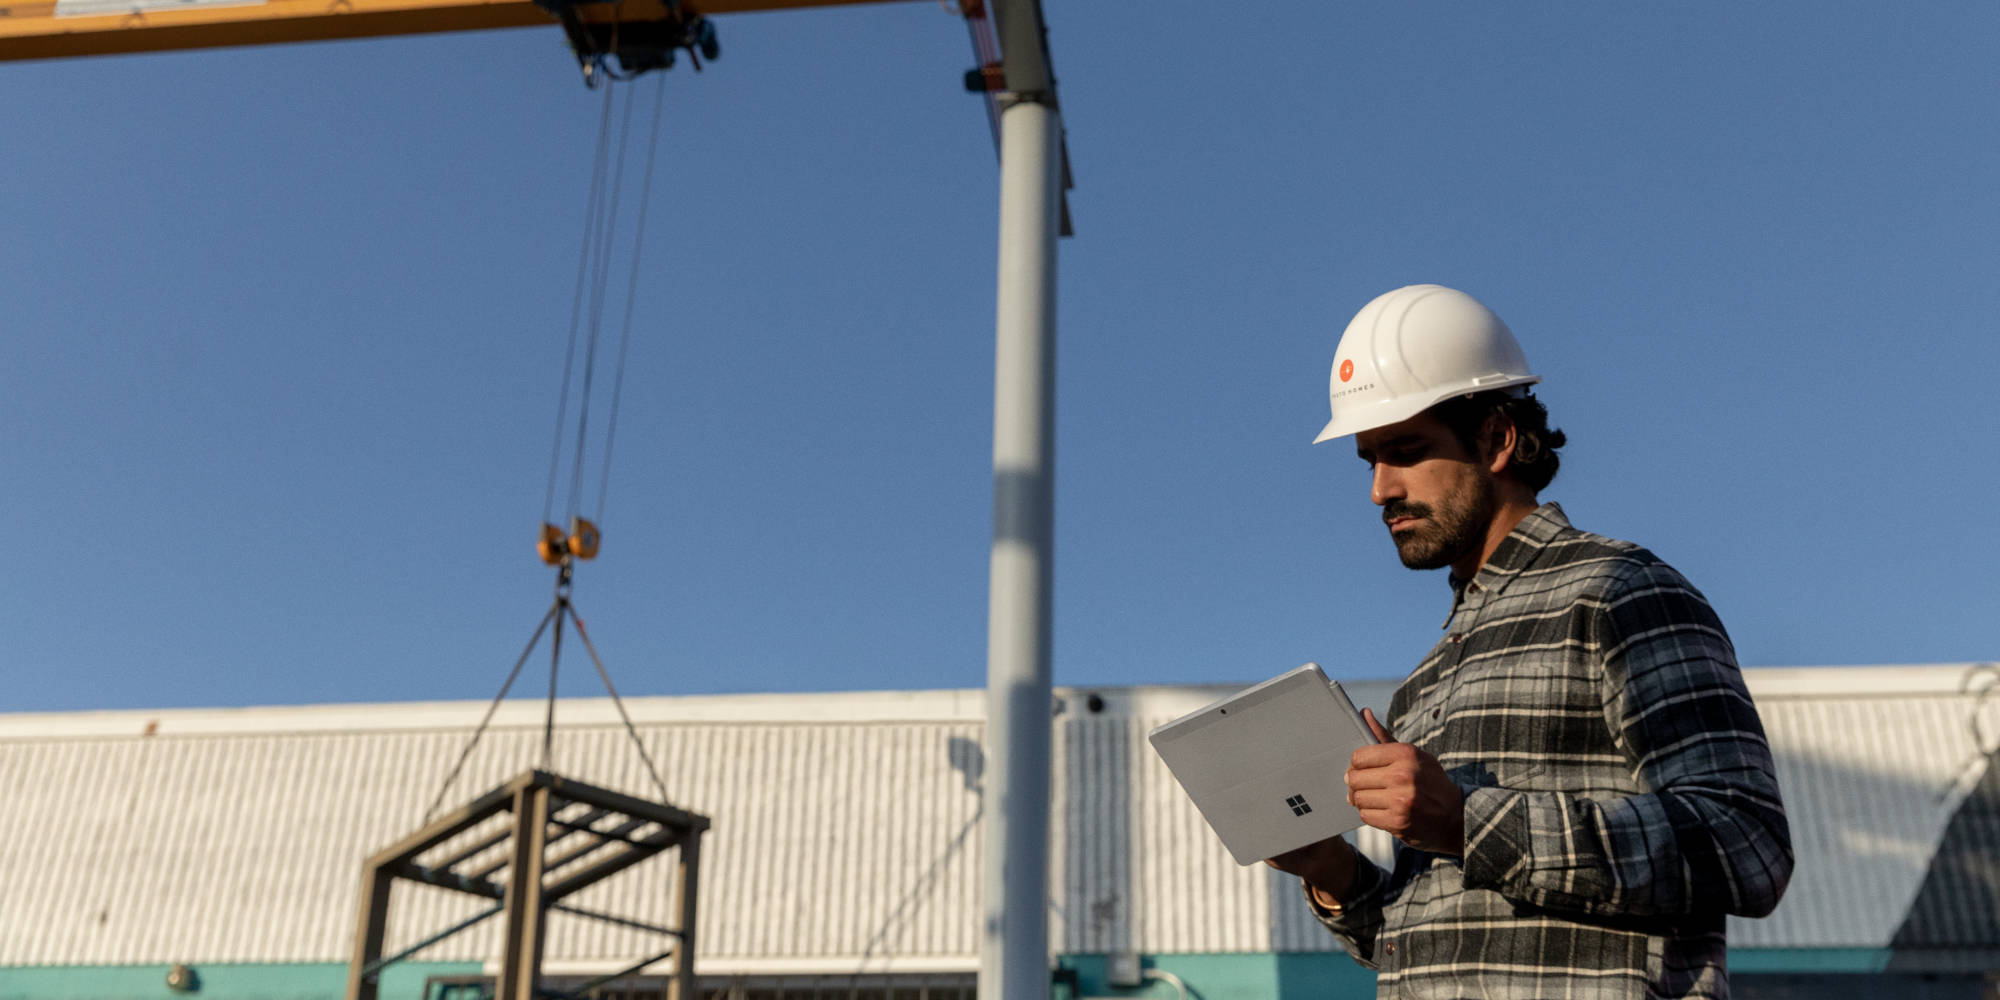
[611, 38]
[640, 34]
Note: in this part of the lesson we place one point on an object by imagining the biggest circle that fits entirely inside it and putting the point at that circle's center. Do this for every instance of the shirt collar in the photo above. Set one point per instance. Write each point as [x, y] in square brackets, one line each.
[1515, 553]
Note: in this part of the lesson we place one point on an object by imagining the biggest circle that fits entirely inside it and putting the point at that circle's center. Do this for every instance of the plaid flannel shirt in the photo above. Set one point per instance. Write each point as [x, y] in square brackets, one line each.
[1619, 793]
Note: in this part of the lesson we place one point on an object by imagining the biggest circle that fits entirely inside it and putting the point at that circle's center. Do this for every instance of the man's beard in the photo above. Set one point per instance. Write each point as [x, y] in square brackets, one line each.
[1455, 527]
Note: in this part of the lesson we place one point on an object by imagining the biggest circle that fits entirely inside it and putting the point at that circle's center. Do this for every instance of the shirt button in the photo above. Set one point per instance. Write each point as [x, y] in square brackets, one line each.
[1390, 947]
[1435, 712]
[1455, 637]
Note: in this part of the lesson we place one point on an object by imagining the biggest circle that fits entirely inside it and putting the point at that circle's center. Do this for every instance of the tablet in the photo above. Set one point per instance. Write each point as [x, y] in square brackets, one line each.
[1267, 766]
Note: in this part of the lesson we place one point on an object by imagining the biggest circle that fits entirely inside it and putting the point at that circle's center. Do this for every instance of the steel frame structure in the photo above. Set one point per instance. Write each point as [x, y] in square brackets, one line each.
[515, 869]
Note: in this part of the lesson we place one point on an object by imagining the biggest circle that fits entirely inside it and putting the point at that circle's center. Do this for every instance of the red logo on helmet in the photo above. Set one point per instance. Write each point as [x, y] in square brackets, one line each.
[1347, 369]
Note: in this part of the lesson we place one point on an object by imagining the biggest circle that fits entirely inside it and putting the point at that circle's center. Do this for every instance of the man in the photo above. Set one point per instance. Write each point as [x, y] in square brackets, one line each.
[1582, 789]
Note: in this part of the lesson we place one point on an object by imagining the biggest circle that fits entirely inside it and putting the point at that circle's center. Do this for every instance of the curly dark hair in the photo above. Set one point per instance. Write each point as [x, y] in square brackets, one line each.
[1535, 442]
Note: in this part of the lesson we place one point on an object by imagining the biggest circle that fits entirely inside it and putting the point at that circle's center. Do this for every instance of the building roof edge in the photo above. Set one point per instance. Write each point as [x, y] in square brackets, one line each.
[854, 707]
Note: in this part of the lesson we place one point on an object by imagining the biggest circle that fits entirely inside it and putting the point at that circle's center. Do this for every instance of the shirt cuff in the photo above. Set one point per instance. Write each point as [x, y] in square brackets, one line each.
[1496, 848]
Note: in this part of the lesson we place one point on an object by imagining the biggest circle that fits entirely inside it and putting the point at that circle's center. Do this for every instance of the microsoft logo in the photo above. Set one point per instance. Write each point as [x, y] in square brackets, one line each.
[1298, 804]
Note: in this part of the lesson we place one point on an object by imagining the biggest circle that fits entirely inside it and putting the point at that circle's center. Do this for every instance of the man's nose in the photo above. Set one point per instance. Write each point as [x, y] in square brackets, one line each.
[1387, 485]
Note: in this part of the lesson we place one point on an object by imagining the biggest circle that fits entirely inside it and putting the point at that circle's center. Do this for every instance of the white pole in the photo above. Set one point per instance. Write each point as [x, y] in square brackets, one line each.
[1014, 954]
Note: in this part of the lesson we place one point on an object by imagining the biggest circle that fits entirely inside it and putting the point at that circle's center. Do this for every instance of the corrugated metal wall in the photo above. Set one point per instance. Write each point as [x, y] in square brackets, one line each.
[1137, 868]
[1870, 782]
[837, 845]
[849, 843]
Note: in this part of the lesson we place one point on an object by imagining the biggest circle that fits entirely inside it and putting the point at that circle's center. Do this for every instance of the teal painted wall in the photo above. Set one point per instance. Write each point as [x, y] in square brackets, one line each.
[1809, 959]
[1255, 976]
[304, 981]
[1334, 976]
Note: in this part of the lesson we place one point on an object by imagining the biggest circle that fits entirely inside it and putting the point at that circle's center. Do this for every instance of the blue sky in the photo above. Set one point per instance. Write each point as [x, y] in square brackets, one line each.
[284, 328]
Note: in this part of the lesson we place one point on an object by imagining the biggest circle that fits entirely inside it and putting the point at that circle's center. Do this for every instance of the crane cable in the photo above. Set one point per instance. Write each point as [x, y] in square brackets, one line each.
[631, 295]
[593, 275]
[599, 266]
[591, 211]
[592, 285]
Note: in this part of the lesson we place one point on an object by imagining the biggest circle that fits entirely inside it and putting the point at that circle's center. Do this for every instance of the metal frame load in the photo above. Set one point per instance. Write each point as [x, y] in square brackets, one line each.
[564, 836]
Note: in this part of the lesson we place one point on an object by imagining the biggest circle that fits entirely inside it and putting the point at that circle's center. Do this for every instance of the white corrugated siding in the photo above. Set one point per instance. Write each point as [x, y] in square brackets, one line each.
[850, 842]
[1138, 869]
[837, 845]
[1869, 786]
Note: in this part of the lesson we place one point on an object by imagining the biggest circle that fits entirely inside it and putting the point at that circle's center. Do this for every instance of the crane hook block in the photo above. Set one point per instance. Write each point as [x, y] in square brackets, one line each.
[552, 547]
[583, 538]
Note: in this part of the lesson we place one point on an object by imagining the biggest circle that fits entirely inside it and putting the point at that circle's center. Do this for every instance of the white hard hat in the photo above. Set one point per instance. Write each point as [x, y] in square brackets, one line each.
[1414, 348]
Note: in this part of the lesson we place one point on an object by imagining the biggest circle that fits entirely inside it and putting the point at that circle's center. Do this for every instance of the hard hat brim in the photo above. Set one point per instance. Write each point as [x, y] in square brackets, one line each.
[1354, 420]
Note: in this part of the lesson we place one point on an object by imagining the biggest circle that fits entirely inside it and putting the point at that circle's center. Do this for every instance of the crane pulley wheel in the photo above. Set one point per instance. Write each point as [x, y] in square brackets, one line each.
[552, 546]
[583, 538]
[556, 548]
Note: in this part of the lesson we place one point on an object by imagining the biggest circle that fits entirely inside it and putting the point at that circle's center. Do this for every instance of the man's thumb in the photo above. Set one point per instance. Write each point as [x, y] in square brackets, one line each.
[1375, 726]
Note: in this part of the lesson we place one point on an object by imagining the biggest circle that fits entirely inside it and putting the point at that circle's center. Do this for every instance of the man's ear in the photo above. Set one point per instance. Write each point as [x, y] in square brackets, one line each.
[1497, 439]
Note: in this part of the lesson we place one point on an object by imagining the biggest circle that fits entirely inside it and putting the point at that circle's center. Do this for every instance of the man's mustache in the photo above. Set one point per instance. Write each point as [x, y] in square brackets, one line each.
[1404, 508]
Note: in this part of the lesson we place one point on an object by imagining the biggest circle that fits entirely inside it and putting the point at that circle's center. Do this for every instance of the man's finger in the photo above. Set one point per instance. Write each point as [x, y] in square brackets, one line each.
[1366, 799]
[1375, 726]
[1388, 821]
[1374, 777]
[1381, 755]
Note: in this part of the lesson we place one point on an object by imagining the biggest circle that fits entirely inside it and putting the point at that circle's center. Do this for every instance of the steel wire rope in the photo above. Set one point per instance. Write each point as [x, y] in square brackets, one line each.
[619, 703]
[590, 214]
[555, 658]
[631, 296]
[466, 754]
[593, 272]
[600, 279]
[593, 278]
[617, 390]
[596, 237]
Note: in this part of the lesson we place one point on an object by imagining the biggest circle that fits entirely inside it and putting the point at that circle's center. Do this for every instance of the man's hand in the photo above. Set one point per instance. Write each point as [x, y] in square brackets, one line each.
[1327, 866]
[1403, 790]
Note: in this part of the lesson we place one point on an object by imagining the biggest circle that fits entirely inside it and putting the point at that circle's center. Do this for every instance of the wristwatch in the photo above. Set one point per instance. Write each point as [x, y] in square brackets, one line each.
[1323, 900]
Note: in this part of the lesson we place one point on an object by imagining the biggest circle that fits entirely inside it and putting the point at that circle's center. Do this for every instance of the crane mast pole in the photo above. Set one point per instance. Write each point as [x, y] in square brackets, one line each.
[1014, 956]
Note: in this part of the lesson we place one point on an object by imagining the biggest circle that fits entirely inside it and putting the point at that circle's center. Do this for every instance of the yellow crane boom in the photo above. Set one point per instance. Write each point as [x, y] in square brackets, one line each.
[47, 29]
